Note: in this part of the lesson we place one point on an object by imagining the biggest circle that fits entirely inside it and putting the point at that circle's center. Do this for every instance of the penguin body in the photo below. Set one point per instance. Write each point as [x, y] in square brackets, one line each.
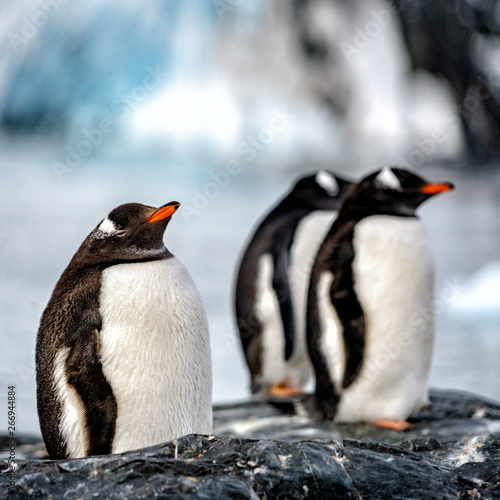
[123, 356]
[271, 288]
[370, 324]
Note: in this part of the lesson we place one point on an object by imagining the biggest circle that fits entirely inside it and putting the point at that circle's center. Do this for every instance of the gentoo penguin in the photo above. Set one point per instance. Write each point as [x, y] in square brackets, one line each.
[370, 317]
[122, 355]
[271, 286]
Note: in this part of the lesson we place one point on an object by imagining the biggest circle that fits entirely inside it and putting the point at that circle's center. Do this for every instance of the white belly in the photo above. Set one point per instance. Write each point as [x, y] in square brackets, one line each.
[298, 370]
[394, 280]
[155, 353]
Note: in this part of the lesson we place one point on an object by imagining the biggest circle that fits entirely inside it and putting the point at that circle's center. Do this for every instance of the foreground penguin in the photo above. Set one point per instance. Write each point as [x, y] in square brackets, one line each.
[122, 354]
[271, 287]
[370, 318]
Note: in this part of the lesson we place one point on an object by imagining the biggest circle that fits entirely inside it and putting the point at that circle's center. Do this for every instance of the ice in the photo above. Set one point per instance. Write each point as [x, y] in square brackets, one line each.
[480, 293]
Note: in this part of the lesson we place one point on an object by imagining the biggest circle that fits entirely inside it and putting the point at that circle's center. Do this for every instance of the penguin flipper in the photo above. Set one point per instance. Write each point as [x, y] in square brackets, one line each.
[326, 396]
[97, 397]
[284, 295]
[344, 300]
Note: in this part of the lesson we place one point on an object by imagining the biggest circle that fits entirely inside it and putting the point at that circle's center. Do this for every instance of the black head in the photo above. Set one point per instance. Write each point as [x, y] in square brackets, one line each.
[322, 190]
[393, 190]
[131, 232]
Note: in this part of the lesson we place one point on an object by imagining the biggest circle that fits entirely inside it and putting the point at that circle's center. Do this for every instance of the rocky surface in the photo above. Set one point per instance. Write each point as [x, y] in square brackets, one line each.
[275, 450]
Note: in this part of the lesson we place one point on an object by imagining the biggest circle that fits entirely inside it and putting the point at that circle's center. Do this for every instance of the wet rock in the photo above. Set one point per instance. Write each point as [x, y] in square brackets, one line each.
[451, 416]
[275, 450]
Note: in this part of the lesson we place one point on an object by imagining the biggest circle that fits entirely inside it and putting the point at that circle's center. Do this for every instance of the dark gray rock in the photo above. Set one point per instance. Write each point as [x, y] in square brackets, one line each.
[452, 452]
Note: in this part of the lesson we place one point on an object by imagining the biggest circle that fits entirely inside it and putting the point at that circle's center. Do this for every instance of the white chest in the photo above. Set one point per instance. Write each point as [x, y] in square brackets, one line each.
[393, 272]
[311, 231]
[155, 352]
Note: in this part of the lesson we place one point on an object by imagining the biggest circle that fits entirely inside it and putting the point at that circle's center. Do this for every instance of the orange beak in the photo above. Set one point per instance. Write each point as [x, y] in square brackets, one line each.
[437, 188]
[166, 211]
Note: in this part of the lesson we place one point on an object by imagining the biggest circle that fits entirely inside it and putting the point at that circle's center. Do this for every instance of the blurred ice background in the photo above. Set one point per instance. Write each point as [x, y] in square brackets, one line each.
[220, 104]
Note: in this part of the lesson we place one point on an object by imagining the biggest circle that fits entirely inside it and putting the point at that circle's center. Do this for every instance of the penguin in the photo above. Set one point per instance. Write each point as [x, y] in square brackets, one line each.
[370, 317]
[122, 352]
[271, 284]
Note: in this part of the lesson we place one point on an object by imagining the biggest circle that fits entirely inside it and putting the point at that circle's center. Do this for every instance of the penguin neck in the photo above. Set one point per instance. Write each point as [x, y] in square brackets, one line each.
[357, 211]
[282, 222]
[351, 215]
[289, 210]
[84, 260]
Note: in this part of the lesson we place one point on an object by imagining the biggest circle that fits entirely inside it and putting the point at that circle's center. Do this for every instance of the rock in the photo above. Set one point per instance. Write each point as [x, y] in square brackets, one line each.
[27, 447]
[451, 416]
[274, 450]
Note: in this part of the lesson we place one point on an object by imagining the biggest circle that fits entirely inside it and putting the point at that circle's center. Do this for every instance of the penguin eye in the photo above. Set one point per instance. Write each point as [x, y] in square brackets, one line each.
[120, 233]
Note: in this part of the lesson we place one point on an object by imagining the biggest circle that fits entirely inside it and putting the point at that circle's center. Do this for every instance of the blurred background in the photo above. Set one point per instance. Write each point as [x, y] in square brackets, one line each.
[220, 104]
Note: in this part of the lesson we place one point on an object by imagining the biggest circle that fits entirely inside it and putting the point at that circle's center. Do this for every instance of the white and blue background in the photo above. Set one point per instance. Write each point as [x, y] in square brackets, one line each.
[209, 103]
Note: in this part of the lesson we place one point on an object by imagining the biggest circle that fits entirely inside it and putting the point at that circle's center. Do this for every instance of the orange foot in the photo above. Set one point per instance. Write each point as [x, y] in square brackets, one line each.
[280, 391]
[396, 425]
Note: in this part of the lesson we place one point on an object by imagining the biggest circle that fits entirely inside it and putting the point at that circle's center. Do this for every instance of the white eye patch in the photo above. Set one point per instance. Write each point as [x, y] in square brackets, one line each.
[327, 182]
[106, 229]
[387, 180]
